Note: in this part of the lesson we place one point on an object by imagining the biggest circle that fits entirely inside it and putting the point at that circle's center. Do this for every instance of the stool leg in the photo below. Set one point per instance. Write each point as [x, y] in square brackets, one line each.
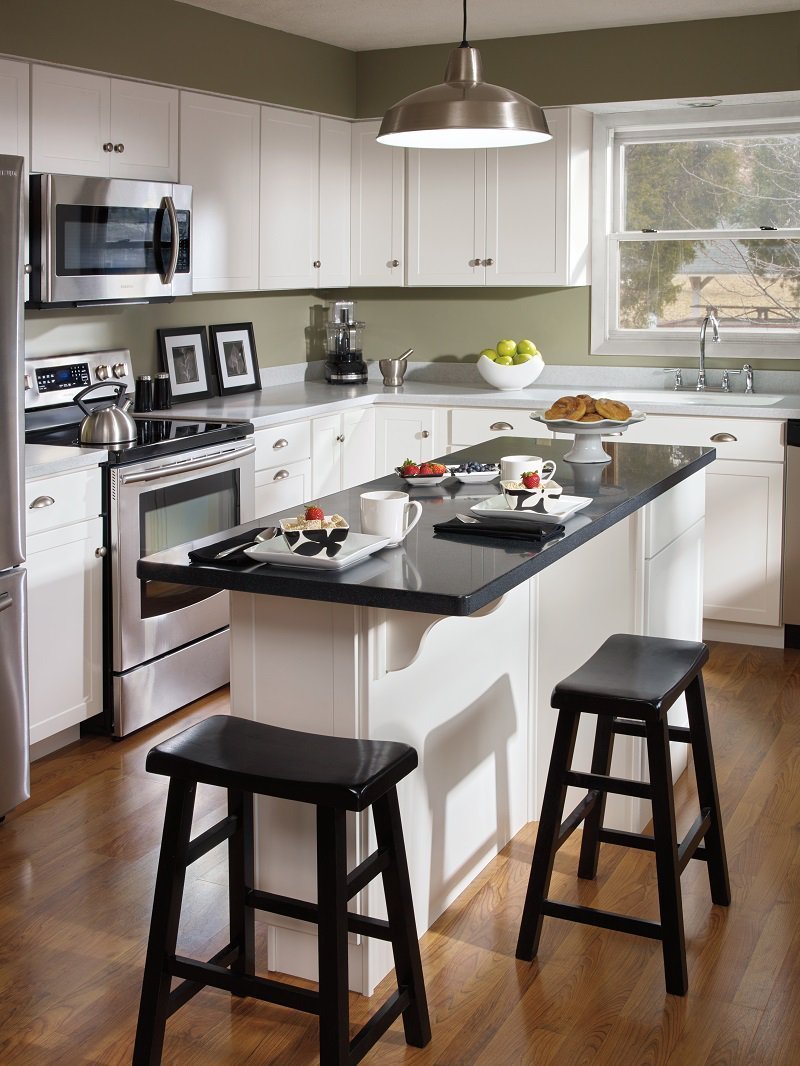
[670, 904]
[547, 836]
[707, 791]
[334, 1006]
[400, 910]
[241, 875]
[601, 764]
[167, 898]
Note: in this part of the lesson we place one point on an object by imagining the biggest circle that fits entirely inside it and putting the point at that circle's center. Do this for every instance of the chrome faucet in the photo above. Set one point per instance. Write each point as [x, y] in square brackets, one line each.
[712, 319]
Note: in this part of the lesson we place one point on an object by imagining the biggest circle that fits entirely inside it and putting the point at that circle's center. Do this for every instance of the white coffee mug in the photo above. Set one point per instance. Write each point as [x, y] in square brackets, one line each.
[512, 467]
[389, 514]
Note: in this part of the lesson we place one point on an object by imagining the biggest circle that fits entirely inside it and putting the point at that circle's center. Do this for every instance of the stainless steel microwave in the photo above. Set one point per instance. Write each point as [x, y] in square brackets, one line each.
[108, 240]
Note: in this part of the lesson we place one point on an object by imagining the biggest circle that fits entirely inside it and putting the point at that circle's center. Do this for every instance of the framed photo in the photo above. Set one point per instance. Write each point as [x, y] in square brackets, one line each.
[234, 350]
[184, 356]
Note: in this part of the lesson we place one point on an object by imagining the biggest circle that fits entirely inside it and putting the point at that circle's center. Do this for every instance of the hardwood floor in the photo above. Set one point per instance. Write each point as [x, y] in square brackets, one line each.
[78, 862]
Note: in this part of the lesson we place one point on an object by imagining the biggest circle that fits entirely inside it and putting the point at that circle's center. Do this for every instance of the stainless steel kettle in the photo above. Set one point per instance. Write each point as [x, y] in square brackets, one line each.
[394, 370]
[107, 423]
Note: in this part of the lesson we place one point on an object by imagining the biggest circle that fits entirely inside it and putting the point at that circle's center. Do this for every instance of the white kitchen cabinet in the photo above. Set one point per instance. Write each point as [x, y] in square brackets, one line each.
[377, 209]
[342, 450]
[14, 105]
[471, 425]
[105, 127]
[220, 160]
[503, 216]
[406, 433]
[283, 467]
[65, 652]
[305, 200]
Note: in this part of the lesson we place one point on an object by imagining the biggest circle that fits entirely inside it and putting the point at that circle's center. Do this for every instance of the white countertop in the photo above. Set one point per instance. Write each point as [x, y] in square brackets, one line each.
[276, 404]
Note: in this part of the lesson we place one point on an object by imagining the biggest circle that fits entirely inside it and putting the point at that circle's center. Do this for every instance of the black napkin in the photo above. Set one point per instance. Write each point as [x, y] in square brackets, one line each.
[499, 529]
[207, 555]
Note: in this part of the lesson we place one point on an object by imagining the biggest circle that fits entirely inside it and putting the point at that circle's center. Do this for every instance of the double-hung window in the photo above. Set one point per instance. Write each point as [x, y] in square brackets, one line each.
[693, 215]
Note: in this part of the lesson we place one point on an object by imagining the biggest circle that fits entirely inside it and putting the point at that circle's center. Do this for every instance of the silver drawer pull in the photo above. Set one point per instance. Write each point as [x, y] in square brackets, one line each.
[281, 442]
[501, 425]
[281, 474]
[41, 501]
[723, 438]
[101, 552]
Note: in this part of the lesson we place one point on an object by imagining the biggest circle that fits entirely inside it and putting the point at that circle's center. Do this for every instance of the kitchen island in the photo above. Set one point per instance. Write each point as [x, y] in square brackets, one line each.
[453, 645]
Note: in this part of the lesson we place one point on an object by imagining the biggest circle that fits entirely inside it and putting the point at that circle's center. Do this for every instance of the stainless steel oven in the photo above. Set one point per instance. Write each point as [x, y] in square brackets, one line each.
[170, 642]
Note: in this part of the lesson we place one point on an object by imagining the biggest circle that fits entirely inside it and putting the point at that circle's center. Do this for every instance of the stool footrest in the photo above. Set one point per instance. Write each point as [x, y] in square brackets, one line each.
[223, 830]
[183, 992]
[303, 911]
[361, 876]
[371, 1032]
[641, 841]
[599, 782]
[576, 816]
[681, 734]
[689, 846]
[622, 923]
[240, 984]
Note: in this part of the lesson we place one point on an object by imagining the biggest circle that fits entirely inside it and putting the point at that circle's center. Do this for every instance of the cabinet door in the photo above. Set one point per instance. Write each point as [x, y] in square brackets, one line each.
[403, 433]
[144, 131]
[220, 159]
[14, 121]
[70, 119]
[744, 521]
[357, 447]
[64, 627]
[289, 199]
[326, 455]
[334, 203]
[280, 487]
[377, 209]
[446, 217]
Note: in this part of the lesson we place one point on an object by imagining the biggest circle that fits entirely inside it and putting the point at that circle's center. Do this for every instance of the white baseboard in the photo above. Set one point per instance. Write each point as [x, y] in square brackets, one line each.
[740, 633]
[58, 740]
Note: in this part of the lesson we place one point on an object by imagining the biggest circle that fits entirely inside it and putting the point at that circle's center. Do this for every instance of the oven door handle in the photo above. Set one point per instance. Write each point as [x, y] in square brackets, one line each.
[180, 468]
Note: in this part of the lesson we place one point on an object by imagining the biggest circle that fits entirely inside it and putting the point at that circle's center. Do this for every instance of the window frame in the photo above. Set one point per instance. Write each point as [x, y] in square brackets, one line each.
[611, 132]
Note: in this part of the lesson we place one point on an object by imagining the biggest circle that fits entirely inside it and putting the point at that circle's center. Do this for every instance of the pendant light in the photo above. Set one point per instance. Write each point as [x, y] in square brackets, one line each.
[464, 111]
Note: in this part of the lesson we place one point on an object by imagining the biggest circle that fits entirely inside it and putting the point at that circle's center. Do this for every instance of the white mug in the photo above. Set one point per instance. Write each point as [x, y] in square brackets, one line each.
[389, 514]
[512, 467]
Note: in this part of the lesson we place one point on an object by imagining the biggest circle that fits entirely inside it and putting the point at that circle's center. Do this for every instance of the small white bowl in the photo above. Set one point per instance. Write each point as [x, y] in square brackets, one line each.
[311, 542]
[508, 378]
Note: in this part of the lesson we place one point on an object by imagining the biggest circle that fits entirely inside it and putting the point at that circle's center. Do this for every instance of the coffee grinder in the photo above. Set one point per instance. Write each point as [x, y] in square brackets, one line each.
[345, 363]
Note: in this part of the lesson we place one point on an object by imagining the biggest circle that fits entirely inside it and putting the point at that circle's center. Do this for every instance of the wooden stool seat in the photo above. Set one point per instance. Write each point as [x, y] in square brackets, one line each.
[334, 774]
[629, 684]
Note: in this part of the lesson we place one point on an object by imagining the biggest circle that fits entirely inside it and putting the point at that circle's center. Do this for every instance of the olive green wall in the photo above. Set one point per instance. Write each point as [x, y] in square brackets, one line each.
[164, 41]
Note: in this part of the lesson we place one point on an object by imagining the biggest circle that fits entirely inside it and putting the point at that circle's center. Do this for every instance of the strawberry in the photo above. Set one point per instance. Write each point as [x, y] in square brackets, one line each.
[427, 470]
[314, 513]
[531, 480]
[438, 468]
[409, 468]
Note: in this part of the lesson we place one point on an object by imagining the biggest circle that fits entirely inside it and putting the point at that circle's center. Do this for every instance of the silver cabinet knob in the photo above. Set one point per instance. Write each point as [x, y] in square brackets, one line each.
[424, 434]
[108, 147]
[340, 438]
[102, 372]
[41, 501]
[119, 148]
[488, 262]
[723, 438]
[28, 268]
[475, 262]
[119, 370]
[281, 442]
[317, 264]
[500, 425]
[101, 552]
[281, 474]
[395, 263]
[27, 382]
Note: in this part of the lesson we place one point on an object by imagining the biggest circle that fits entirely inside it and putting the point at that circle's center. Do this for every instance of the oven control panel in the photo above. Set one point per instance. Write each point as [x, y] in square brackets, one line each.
[56, 380]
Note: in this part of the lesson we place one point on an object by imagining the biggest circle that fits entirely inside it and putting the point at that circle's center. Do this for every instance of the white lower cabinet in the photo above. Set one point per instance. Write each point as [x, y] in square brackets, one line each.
[342, 450]
[283, 467]
[471, 425]
[407, 433]
[65, 574]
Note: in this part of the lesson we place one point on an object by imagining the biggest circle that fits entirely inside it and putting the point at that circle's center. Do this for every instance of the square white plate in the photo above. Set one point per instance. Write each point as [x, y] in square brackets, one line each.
[496, 507]
[277, 552]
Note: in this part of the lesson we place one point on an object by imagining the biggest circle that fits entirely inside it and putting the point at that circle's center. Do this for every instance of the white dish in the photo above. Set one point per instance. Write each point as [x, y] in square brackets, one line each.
[358, 546]
[496, 507]
[567, 425]
[419, 479]
[476, 477]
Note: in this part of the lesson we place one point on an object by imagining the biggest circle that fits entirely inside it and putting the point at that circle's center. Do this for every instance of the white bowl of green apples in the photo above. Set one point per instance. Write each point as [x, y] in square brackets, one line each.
[510, 364]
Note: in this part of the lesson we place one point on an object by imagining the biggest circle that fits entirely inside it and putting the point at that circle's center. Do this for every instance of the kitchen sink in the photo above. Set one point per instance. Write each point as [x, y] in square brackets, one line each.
[678, 399]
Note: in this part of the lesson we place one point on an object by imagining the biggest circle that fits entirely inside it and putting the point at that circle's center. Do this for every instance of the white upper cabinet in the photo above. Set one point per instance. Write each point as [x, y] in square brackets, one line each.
[220, 160]
[507, 216]
[376, 209]
[14, 97]
[305, 200]
[105, 127]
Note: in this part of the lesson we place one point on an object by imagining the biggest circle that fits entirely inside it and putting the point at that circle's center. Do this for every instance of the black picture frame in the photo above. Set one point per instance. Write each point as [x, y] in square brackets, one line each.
[234, 348]
[185, 357]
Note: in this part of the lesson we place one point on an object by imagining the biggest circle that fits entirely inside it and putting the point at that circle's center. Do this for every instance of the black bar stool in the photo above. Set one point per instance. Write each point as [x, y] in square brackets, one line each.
[336, 775]
[630, 683]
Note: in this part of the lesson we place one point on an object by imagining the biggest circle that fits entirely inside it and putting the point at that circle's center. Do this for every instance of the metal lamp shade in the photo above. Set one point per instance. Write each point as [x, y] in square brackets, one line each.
[464, 112]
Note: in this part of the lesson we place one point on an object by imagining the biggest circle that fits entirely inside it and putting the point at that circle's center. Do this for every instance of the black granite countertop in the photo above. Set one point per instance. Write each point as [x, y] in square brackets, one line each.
[447, 575]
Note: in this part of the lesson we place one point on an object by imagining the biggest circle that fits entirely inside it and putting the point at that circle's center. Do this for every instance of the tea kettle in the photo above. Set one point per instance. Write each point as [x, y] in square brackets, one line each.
[107, 423]
[394, 370]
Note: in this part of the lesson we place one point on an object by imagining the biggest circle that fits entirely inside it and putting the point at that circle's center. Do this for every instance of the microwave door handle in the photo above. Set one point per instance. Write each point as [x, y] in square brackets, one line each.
[175, 241]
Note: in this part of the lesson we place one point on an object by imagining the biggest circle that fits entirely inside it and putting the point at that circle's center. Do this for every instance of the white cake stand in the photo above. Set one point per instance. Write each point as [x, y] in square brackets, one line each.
[588, 446]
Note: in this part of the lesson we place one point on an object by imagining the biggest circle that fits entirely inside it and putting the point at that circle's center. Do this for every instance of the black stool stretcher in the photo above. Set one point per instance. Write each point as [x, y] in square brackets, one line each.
[629, 684]
[336, 775]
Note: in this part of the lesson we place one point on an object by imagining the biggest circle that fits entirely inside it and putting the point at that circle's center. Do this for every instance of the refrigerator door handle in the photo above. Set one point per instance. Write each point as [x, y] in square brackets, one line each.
[6, 601]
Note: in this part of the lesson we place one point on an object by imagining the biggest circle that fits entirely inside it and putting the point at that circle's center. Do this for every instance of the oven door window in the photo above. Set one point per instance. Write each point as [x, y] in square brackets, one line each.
[108, 241]
[187, 510]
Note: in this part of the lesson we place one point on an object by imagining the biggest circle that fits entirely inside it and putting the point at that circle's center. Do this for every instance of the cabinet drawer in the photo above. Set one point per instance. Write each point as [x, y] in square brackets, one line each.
[753, 438]
[60, 499]
[470, 426]
[281, 487]
[279, 445]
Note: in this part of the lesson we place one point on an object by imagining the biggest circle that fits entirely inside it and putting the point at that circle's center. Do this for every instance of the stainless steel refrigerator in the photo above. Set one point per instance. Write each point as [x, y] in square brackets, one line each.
[14, 759]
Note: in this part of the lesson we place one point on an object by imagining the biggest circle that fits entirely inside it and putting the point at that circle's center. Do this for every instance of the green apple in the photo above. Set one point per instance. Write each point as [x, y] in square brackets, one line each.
[521, 357]
[490, 353]
[526, 347]
[504, 360]
[508, 348]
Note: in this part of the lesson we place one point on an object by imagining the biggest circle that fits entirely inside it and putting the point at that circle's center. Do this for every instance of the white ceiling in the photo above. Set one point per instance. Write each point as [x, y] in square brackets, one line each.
[361, 25]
